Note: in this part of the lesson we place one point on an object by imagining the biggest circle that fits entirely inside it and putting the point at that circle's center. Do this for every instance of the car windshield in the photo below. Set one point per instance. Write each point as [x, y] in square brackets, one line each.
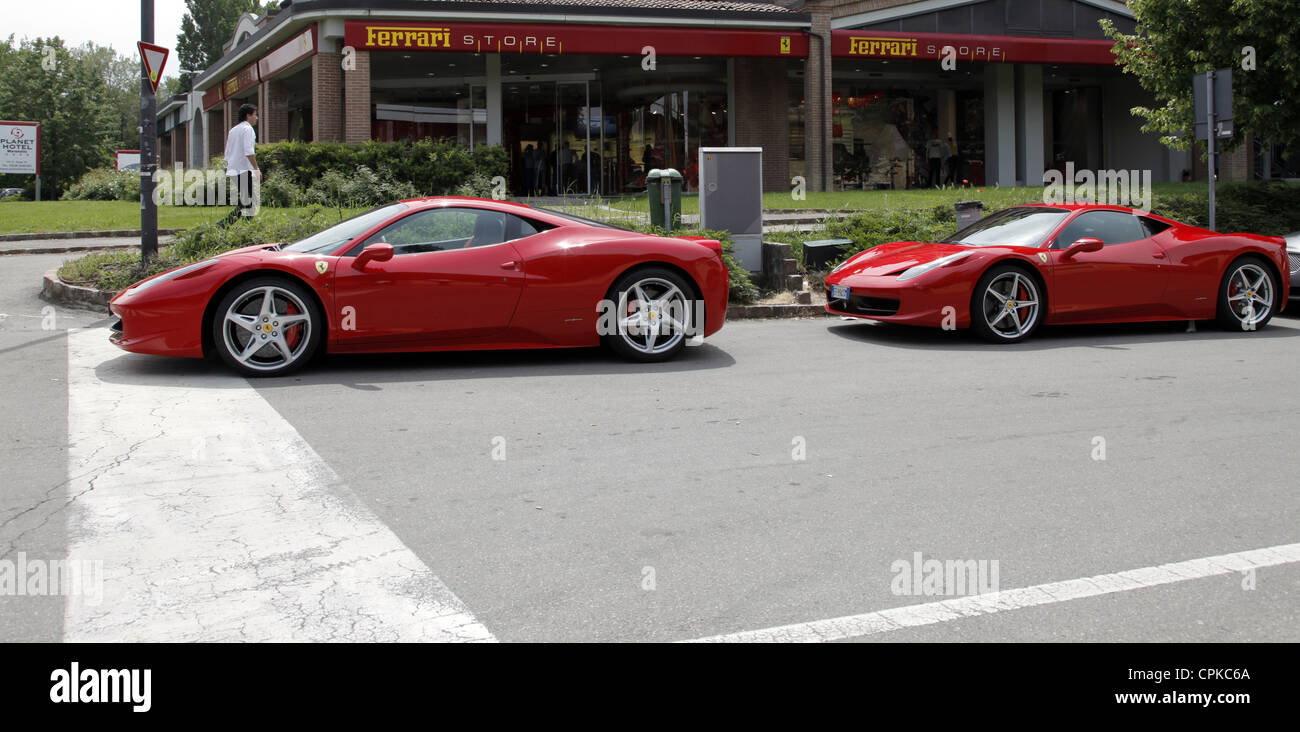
[345, 231]
[1022, 226]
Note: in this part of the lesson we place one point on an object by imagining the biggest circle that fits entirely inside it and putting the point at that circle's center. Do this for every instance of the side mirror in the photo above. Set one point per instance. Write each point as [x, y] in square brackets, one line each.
[381, 252]
[1086, 244]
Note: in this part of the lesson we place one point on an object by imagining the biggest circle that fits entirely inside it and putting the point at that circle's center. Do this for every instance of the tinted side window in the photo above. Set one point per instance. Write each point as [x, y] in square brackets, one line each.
[439, 229]
[1112, 227]
[1152, 226]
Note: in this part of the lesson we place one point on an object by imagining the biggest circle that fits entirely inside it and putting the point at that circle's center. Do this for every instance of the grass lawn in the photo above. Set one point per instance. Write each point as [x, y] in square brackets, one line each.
[993, 197]
[22, 217]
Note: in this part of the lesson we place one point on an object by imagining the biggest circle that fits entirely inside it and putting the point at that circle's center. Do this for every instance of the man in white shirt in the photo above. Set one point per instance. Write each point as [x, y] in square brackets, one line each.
[241, 163]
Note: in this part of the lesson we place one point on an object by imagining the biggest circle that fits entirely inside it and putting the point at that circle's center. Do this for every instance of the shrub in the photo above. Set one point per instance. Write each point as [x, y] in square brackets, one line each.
[477, 185]
[424, 167]
[1255, 208]
[210, 239]
[279, 190]
[871, 228]
[105, 184]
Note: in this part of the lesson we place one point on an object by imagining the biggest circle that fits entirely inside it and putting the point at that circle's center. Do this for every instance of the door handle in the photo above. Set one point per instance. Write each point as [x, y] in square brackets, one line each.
[1159, 255]
[512, 265]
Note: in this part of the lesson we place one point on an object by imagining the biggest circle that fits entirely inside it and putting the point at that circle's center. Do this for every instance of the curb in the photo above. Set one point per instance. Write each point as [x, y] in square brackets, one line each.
[749, 312]
[70, 249]
[81, 234]
[54, 289]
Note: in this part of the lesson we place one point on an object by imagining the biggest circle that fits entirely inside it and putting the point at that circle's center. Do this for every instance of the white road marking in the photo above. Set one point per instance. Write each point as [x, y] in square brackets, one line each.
[910, 616]
[216, 521]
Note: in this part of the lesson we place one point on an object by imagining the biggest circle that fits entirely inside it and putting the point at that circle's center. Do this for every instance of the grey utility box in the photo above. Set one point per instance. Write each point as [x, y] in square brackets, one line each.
[731, 199]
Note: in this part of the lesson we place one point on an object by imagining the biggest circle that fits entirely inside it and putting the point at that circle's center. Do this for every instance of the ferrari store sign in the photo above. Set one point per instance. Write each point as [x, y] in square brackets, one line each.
[20, 147]
[548, 38]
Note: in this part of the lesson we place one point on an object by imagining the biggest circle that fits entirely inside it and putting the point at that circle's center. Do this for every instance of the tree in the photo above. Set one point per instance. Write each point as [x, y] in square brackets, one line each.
[1175, 39]
[208, 25]
[121, 75]
[43, 81]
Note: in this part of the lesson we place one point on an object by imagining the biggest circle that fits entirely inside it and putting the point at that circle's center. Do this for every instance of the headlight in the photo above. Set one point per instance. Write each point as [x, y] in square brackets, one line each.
[169, 275]
[921, 269]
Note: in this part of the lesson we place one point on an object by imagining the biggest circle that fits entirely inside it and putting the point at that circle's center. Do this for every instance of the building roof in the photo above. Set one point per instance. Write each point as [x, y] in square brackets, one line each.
[754, 6]
[728, 11]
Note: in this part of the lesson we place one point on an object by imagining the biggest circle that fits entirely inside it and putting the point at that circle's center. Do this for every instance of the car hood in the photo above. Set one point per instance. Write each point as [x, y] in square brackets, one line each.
[898, 255]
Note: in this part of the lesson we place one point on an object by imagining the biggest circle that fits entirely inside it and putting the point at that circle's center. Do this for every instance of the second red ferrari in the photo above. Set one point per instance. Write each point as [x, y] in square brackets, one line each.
[1021, 267]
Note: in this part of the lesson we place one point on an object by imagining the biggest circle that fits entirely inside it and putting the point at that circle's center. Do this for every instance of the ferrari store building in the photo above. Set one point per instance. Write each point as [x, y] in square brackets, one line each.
[588, 95]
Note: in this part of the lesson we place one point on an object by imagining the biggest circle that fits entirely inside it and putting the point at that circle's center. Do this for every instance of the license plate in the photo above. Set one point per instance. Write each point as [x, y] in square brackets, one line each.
[839, 292]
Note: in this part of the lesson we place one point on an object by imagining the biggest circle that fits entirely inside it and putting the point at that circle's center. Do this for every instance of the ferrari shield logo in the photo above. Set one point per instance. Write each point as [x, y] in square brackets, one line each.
[785, 44]
[1040, 256]
[322, 265]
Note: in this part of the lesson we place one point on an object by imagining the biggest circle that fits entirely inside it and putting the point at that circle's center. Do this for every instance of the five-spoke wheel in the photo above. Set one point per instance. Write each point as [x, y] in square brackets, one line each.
[652, 315]
[266, 327]
[1247, 295]
[1006, 306]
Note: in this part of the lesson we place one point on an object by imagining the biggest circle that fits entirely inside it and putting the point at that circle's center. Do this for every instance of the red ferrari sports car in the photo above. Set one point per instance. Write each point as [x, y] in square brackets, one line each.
[1016, 269]
[433, 274]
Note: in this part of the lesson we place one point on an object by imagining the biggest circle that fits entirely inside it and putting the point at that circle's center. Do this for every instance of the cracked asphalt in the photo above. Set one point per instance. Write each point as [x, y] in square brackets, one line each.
[668, 502]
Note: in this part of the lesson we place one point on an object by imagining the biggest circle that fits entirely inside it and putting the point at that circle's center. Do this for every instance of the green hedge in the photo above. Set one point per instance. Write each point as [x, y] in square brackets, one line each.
[1252, 208]
[431, 167]
[116, 270]
[105, 184]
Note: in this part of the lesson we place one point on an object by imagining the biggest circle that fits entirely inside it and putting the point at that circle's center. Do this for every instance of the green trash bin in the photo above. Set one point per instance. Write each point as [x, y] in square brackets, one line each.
[665, 188]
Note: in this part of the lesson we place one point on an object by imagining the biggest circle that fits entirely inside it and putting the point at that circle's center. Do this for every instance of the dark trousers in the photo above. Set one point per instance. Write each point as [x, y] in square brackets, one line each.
[935, 165]
[241, 190]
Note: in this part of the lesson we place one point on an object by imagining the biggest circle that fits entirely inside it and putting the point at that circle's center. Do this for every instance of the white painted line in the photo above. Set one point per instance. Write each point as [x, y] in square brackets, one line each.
[216, 521]
[910, 616]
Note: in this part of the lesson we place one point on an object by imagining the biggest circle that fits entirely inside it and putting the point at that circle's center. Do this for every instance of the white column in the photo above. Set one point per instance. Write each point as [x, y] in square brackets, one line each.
[999, 125]
[494, 135]
[1029, 124]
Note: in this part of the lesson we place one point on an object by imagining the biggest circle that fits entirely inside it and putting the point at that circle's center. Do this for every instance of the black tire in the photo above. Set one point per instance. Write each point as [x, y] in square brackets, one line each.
[988, 316]
[1233, 315]
[658, 284]
[300, 339]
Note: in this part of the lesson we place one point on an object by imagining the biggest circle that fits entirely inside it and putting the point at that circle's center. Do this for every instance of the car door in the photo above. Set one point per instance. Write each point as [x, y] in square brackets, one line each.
[1125, 279]
[453, 276]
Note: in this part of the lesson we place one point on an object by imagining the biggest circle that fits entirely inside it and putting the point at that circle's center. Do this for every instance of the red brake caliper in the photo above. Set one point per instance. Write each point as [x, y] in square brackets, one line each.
[292, 334]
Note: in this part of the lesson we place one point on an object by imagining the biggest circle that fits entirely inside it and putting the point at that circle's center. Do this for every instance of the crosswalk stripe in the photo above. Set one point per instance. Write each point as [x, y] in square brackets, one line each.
[911, 616]
[214, 520]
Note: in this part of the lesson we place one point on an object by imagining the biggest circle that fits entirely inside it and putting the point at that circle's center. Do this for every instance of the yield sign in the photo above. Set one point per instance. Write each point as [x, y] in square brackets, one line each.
[154, 58]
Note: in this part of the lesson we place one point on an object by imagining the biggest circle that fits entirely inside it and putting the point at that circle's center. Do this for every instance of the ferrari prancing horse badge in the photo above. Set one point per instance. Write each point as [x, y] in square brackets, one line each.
[322, 265]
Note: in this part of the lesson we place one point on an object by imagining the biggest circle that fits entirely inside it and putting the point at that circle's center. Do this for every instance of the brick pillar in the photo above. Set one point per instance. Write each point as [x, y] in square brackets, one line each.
[216, 132]
[818, 112]
[275, 112]
[180, 136]
[762, 116]
[327, 97]
[356, 94]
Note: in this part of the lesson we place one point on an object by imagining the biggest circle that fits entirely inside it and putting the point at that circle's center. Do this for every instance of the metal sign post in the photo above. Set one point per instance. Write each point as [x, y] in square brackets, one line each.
[148, 141]
[1212, 107]
[1213, 142]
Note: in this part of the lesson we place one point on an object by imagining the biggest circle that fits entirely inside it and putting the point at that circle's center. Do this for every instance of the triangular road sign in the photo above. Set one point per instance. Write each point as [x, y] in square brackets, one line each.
[155, 57]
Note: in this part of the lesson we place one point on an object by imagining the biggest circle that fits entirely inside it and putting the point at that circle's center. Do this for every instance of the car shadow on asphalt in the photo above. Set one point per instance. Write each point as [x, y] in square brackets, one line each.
[1114, 336]
[366, 371]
